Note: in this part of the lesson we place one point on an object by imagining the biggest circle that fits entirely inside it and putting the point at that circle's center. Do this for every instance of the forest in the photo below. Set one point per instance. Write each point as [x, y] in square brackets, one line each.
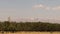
[28, 26]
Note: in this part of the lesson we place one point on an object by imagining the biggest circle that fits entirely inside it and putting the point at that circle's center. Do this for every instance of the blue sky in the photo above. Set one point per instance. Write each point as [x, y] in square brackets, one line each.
[29, 8]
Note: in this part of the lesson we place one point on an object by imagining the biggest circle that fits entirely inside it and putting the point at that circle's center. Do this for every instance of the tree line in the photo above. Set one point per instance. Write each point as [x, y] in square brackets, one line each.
[28, 26]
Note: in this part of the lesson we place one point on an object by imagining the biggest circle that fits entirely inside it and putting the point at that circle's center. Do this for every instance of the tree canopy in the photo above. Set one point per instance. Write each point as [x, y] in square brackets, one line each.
[28, 26]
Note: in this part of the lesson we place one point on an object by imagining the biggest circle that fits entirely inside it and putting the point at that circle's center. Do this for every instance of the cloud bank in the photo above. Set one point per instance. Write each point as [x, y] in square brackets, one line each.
[44, 7]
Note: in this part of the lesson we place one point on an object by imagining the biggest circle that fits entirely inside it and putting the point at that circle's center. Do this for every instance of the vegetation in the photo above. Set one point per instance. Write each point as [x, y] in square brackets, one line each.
[28, 26]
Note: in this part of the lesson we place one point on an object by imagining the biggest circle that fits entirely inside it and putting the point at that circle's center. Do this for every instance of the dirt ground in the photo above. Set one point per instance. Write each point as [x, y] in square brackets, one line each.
[30, 33]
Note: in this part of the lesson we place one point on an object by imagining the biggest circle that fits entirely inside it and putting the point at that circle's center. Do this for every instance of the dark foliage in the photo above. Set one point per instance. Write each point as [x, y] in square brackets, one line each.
[28, 26]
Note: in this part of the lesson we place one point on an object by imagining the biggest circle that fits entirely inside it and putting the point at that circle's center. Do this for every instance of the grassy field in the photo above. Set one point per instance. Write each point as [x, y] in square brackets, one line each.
[30, 33]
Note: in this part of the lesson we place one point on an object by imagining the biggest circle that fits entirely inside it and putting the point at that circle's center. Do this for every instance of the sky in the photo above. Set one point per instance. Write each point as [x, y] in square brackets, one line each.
[47, 9]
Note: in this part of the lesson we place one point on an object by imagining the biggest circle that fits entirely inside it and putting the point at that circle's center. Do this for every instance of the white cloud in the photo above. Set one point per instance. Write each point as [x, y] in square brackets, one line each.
[38, 6]
[47, 8]
[41, 6]
[56, 8]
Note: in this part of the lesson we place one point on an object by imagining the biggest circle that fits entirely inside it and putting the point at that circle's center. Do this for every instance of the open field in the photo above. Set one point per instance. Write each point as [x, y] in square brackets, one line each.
[30, 33]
